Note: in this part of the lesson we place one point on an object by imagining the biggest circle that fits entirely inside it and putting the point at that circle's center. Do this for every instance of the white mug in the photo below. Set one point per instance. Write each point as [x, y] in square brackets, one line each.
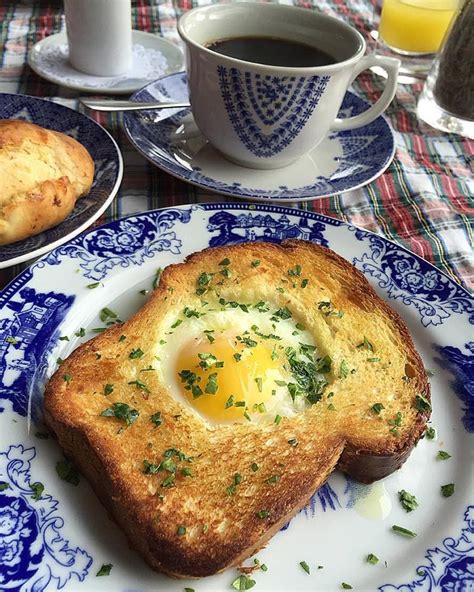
[263, 116]
[99, 34]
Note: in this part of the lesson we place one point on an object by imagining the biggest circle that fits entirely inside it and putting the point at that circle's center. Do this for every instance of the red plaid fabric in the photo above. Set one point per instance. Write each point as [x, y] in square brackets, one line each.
[423, 201]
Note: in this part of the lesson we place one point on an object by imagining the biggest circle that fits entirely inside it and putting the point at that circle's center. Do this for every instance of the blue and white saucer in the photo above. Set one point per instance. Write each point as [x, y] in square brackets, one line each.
[108, 171]
[342, 162]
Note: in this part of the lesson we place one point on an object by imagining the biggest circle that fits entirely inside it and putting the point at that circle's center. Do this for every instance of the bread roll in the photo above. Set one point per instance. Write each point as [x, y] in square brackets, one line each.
[42, 174]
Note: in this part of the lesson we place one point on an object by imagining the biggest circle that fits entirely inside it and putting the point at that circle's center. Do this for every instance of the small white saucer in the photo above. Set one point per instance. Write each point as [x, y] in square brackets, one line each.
[153, 57]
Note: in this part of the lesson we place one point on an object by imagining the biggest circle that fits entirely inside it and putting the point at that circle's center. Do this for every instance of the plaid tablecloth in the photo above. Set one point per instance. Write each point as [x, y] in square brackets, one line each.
[423, 201]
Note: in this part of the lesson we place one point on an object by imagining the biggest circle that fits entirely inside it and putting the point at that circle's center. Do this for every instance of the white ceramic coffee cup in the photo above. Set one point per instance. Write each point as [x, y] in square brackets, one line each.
[226, 93]
[99, 34]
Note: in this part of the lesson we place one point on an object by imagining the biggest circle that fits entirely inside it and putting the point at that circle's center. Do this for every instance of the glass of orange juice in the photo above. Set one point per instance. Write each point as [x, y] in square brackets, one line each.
[415, 27]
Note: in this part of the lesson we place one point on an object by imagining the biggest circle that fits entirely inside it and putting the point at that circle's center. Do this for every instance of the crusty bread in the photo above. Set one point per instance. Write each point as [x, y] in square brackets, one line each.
[340, 430]
[42, 174]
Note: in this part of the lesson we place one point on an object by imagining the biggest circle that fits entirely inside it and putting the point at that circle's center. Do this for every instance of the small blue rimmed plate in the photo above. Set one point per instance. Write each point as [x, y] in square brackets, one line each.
[55, 535]
[108, 171]
[342, 162]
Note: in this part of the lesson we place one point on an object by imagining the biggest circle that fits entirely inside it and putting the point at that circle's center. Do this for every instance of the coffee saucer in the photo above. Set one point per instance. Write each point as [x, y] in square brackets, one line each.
[153, 57]
[342, 162]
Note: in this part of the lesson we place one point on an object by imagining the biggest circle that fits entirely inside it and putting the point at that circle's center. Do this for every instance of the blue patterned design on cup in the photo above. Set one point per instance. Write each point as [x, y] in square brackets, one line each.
[268, 112]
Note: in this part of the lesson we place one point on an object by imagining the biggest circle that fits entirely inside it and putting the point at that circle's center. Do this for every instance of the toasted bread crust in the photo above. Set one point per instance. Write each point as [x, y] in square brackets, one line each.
[43, 174]
[352, 440]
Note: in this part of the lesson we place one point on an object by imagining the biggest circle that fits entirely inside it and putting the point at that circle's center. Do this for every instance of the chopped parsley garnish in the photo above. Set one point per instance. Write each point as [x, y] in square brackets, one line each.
[203, 283]
[187, 472]
[225, 261]
[277, 419]
[442, 455]
[295, 271]
[67, 471]
[327, 309]
[262, 514]
[190, 380]
[403, 531]
[156, 419]
[281, 313]
[80, 333]
[243, 582]
[331, 407]
[108, 389]
[397, 420]
[343, 369]
[211, 387]
[255, 263]
[345, 586]
[93, 286]
[300, 327]
[177, 323]
[377, 408]
[4, 485]
[67, 378]
[254, 467]
[229, 402]
[366, 344]
[189, 590]
[37, 489]
[105, 570]
[309, 375]
[169, 465]
[122, 338]
[430, 433]
[121, 411]
[106, 314]
[273, 479]
[373, 359]
[59, 361]
[140, 385]
[447, 490]
[304, 283]
[189, 313]
[237, 357]
[181, 530]
[259, 383]
[407, 500]
[64, 338]
[305, 566]
[135, 354]
[210, 338]
[261, 306]
[373, 559]
[249, 342]
[422, 404]
[237, 480]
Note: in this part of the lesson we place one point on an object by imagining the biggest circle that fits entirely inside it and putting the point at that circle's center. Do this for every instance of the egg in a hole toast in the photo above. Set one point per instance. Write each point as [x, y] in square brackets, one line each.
[206, 421]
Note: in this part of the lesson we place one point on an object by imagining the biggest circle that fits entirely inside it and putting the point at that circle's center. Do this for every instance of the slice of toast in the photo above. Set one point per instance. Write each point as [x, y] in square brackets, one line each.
[196, 497]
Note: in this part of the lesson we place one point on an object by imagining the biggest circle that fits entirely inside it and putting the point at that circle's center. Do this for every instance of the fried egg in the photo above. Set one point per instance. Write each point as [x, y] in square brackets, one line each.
[231, 362]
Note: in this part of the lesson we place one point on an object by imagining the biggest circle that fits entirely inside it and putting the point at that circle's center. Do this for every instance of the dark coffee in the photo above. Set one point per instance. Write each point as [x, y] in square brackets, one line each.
[272, 51]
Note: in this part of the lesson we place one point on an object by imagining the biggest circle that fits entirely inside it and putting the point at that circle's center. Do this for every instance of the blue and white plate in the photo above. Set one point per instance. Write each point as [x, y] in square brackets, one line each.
[54, 534]
[108, 171]
[342, 162]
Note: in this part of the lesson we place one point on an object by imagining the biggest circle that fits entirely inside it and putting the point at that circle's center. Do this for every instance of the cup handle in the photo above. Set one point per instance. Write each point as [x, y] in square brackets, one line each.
[391, 66]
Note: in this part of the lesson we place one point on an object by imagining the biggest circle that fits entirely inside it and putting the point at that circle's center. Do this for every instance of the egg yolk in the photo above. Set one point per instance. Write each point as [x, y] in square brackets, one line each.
[228, 379]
